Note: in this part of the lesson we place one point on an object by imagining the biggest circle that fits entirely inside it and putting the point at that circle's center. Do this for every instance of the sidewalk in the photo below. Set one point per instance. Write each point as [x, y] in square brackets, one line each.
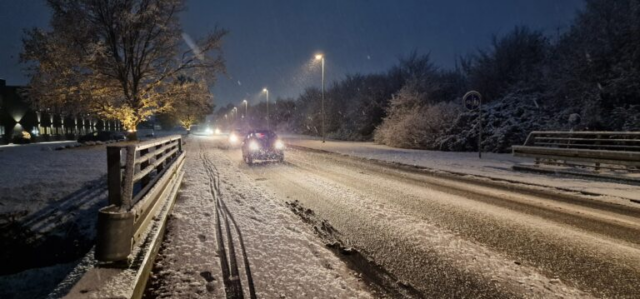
[286, 259]
[491, 165]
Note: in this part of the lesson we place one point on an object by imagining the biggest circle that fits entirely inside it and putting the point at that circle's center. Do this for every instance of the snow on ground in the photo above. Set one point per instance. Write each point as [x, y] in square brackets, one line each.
[32, 176]
[48, 208]
[287, 260]
[34, 283]
[491, 165]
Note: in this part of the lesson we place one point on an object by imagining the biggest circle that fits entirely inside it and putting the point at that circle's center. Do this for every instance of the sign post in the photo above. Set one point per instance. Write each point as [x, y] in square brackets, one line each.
[472, 100]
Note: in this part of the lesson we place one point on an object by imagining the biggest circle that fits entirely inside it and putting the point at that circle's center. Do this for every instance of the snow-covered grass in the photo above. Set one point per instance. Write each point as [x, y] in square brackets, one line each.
[32, 176]
[48, 207]
[491, 165]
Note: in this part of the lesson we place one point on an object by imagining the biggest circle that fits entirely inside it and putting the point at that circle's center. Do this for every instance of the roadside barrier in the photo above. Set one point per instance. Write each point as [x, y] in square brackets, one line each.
[137, 190]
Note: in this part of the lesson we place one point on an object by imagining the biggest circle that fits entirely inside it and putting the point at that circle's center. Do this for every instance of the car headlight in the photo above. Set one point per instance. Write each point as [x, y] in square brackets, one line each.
[233, 138]
[254, 146]
[279, 144]
[208, 131]
[217, 131]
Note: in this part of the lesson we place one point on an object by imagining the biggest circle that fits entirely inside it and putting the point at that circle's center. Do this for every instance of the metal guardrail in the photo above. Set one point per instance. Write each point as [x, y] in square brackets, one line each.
[615, 148]
[136, 193]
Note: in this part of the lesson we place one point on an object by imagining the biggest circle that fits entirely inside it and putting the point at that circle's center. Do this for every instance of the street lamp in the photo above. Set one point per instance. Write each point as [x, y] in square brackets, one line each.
[246, 109]
[321, 58]
[265, 90]
[235, 115]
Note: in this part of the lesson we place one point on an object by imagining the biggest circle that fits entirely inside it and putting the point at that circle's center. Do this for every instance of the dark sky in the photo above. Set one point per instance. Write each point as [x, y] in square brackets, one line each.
[272, 42]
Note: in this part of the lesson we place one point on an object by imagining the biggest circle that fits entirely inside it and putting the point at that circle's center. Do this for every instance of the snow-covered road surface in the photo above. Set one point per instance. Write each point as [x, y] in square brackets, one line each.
[449, 238]
[259, 242]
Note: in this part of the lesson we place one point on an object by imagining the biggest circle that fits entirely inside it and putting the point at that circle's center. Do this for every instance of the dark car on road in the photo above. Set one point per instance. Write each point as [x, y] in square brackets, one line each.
[262, 145]
[102, 136]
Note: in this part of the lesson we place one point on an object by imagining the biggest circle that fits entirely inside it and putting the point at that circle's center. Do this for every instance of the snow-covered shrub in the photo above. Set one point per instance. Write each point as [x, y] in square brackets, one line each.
[413, 124]
[505, 123]
[626, 119]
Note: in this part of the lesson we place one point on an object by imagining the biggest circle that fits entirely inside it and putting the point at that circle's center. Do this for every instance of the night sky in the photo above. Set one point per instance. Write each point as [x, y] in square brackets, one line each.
[272, 43]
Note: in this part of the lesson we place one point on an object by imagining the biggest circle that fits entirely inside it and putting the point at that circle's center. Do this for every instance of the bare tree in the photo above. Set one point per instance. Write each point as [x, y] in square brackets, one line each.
[119, 59]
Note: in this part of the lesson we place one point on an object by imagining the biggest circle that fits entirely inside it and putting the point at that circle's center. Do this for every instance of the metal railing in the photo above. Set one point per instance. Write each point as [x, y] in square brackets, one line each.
[614, 148]
[138, 189]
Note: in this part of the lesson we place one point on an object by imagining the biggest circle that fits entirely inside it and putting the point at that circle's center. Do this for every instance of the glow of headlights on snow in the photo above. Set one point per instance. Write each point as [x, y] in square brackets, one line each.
[279, 144]
[208, 131]
[233, 138]
[254, 146]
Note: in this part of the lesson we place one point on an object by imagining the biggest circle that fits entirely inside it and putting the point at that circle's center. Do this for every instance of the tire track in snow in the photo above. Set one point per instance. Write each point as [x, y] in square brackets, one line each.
[229, 264]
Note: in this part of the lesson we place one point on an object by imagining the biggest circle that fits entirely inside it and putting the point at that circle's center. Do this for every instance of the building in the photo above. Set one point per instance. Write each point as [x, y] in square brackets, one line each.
[18, 119]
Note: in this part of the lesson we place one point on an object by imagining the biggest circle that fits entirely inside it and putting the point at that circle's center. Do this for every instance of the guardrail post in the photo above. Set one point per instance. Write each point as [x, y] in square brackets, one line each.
[127, 182]
[114, 237]
[114, 175]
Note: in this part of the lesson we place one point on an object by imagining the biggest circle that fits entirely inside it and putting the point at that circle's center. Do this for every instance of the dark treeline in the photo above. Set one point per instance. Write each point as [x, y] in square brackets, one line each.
[587, 78]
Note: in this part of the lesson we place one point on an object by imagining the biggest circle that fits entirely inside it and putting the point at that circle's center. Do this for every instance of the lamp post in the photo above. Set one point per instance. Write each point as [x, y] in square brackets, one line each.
[246, 110]
[321, 58]
[265, 90]
[235, 115]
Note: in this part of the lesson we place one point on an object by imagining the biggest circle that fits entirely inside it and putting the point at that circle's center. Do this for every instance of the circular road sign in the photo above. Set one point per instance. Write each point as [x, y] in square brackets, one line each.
[472, 100]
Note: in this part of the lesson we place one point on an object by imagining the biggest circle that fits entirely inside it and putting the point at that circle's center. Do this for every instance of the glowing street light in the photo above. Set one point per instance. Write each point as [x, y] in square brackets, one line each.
[265, 90]
[321, 58]
[234, 111]
[246, 109]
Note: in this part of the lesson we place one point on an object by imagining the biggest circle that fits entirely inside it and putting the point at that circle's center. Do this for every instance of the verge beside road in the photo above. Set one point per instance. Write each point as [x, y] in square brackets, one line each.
[495, 166]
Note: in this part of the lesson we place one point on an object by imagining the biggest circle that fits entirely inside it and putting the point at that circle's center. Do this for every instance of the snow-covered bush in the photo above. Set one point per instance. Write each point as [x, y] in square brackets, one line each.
[505, 123]
[413, 124]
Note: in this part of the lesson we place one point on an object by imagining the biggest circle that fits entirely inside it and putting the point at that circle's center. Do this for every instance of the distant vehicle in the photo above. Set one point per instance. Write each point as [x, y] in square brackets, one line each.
[235, 137]
[262, 145]
[102, 136]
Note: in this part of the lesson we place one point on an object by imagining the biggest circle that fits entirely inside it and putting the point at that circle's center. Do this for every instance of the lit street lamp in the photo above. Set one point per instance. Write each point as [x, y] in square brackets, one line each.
[246, 109]
[321, 57]
[235, 115]
[265, 90]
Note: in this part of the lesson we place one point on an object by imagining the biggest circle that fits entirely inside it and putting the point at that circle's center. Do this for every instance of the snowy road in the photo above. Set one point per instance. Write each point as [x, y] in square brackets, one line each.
[228, 238]
[448, 238]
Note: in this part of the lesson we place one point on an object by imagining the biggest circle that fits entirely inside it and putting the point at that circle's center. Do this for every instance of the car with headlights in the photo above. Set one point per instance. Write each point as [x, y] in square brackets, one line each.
[236, 137]
[263, 145]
